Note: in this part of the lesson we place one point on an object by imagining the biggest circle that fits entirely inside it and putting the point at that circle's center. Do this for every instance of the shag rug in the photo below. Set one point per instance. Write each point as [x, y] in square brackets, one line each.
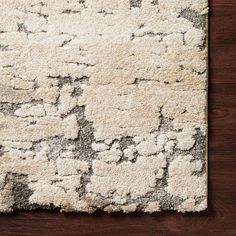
[103, 105]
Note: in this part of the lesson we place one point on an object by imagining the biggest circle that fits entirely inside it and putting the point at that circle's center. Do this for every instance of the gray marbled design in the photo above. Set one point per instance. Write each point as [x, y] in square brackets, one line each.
[103, 105]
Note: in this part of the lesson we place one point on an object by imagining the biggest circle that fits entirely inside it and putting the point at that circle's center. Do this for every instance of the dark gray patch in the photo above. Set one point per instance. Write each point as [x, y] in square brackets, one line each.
[85, 138]
[78, 82]
[83, 145]
[57, 146]
[198, 151]
[135, 3]
[155, 2]
[125, 142]
[169, 202]
[85, 179]
[199, 148]
[199, 21]
[82, 2]
[162, 183]
[166, 124]
[49, 207]
[20, 190]
[8, 108]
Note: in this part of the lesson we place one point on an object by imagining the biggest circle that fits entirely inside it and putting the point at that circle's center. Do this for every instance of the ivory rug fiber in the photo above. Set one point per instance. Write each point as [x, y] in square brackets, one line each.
[103, 105]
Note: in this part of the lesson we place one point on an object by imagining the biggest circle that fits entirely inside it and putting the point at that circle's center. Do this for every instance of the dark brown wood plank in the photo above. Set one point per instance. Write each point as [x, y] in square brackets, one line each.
[222, 40]
[220, 218]
[220, 3]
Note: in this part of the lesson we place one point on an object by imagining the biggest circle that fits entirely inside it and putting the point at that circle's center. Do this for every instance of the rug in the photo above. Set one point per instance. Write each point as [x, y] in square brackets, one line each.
[103, 105]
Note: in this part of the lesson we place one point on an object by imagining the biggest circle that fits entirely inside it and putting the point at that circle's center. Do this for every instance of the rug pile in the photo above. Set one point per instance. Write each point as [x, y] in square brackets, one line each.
[103, 105]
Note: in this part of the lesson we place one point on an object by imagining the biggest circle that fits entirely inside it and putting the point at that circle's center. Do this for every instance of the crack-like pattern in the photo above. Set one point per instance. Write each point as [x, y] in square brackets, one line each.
[103, 105]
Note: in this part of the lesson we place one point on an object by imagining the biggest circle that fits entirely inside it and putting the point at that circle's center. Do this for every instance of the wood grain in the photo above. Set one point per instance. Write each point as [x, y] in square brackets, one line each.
[220, 218]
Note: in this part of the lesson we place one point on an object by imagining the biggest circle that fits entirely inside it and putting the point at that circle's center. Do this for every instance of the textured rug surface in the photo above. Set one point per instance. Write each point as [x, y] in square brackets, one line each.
[103, 105]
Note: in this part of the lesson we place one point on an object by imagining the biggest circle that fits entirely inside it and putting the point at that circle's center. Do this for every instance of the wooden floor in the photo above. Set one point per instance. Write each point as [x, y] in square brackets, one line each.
[220, 218]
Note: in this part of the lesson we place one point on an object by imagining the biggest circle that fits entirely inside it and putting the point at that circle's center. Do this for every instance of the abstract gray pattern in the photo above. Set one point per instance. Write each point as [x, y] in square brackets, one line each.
[103, 105]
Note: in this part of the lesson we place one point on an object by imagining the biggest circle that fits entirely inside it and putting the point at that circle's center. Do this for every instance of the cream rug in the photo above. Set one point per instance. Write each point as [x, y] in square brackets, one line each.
[103, 105]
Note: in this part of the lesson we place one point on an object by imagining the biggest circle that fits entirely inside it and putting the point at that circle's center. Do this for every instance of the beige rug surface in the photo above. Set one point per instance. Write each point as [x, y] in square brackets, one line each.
[103, 105]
